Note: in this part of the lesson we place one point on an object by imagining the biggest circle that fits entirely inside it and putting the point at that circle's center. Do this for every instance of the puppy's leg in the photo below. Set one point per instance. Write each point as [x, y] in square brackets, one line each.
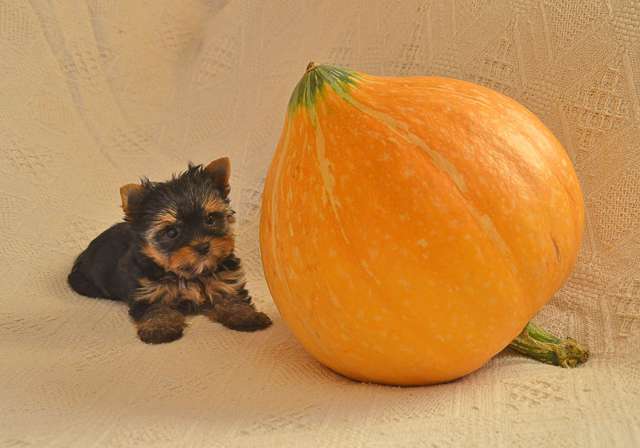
[157, 323]
[238, 315]
[82, 285]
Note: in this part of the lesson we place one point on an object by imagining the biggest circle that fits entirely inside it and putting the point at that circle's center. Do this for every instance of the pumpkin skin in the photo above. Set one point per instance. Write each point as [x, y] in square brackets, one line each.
[411, 226]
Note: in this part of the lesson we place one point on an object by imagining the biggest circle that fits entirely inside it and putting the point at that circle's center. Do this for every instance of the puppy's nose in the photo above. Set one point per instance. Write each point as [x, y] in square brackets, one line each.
[202, 248]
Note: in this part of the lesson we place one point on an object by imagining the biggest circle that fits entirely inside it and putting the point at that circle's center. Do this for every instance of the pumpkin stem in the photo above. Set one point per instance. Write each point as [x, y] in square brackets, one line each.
[537, 343]
[310, 66]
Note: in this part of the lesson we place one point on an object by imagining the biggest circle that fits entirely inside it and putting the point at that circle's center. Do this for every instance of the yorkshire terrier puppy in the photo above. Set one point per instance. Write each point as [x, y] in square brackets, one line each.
[172, 256]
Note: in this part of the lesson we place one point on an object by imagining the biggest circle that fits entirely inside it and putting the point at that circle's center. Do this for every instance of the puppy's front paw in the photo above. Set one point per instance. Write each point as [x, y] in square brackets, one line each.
[161, 325]
[251, 322]
[240, 316]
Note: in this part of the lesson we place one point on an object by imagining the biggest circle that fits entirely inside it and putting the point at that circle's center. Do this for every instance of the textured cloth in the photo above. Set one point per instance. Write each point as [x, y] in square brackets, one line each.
[96, 93]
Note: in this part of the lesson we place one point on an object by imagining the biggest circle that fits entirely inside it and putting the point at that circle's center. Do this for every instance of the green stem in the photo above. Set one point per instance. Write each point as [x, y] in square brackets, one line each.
[537, 343]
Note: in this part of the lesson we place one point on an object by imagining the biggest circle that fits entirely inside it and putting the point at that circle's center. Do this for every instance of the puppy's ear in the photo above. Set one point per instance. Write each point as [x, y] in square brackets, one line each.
[220, 171]
[130, 195]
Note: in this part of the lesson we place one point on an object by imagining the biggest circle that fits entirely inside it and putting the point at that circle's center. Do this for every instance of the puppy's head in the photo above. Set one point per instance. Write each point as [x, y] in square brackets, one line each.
[185, 224]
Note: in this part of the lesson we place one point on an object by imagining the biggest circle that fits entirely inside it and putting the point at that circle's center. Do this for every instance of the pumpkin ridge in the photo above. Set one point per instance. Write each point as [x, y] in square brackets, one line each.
[328, 181]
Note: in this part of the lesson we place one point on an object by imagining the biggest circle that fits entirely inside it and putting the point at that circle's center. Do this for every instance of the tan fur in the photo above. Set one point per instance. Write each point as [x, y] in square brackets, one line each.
[168, 217]
[193, 292]
[153, 292]
[183, 259]
[188, 263]
[169, 293]
[199, 291]
[197, 241]
[150, 251]
[125, 193]
[222, 247]
[224, 283]
[219, 290]
[214, 204]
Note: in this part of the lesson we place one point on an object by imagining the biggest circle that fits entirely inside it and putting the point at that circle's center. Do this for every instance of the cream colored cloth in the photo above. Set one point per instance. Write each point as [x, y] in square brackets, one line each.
[97, 93]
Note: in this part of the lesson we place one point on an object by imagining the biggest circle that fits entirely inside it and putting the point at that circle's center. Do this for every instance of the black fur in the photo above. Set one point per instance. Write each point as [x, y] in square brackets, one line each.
[111, 266]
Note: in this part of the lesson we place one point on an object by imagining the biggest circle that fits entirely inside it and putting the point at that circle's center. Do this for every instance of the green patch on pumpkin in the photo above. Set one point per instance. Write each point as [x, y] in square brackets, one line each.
[311, 86]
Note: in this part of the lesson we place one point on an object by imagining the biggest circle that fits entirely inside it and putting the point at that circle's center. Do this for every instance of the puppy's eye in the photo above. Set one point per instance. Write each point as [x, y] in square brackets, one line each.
[214, 218]
[171, 232]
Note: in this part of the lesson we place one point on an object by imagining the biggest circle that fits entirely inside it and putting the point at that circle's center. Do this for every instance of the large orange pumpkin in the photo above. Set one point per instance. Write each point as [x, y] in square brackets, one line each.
[411, 226]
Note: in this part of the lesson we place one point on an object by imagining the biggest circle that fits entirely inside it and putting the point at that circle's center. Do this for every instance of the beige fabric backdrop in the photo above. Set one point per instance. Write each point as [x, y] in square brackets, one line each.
[96, 93]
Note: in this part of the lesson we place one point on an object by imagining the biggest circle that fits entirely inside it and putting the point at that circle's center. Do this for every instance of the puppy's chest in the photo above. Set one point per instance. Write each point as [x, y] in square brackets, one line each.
[171, 291]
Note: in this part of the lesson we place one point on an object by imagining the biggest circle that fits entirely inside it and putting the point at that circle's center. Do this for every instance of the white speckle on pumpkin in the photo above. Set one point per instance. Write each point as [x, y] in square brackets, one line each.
[405, 284]
[422, 243]
[367, 269]
[408, 172]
